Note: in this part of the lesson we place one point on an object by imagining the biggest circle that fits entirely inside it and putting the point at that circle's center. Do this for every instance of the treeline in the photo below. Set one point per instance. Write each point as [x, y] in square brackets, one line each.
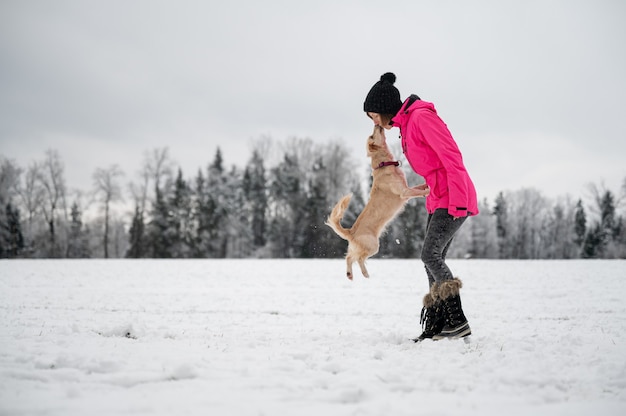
[523, 224]
[273, 207]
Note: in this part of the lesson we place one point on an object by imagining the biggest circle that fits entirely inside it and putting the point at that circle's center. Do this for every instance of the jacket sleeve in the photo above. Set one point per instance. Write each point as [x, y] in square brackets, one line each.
[438, 137]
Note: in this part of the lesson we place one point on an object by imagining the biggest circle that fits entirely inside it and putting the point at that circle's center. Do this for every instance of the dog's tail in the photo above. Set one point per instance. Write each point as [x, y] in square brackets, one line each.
[334, 219]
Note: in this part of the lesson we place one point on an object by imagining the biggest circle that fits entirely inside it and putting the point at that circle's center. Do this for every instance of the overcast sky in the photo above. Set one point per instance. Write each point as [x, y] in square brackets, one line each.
[534, 92]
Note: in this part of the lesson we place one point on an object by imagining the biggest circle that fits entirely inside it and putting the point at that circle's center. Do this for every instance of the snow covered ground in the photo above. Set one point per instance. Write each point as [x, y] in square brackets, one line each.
[294, 337]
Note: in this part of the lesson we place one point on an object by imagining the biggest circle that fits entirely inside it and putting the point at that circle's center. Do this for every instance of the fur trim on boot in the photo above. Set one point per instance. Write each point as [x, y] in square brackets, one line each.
[456, 325]
[429, 300]
[434, 291]
[449, 288]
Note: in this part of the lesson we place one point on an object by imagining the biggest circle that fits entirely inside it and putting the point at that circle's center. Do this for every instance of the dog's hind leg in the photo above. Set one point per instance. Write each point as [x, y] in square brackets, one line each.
[349, 261]
[363, 268]
[369, 246]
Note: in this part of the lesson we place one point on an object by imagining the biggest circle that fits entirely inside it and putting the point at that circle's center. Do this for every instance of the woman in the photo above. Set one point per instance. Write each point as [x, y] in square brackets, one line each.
[433, 154]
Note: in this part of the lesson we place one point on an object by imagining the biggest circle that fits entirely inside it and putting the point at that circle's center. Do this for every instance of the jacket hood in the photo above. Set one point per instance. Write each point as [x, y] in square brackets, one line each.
[411, 104]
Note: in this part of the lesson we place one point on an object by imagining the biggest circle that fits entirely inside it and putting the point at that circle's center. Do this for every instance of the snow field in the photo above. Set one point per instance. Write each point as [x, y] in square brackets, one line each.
[275, 337]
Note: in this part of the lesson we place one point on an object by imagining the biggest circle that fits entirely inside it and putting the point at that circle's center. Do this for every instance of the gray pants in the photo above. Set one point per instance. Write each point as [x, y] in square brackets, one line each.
[440, 228]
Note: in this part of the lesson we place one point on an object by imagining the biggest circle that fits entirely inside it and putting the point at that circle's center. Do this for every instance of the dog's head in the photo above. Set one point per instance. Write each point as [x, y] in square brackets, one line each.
[376, 141]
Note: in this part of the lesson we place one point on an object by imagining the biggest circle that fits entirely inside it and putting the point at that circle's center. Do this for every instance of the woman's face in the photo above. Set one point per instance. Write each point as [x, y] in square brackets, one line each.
[378, 121]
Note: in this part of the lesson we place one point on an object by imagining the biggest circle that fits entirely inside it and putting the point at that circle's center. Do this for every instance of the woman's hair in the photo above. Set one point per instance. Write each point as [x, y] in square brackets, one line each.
[385, 119]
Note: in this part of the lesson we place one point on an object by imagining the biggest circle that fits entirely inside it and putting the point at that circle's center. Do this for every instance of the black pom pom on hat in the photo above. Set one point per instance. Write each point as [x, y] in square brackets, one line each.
[383, 97]
[390, 77]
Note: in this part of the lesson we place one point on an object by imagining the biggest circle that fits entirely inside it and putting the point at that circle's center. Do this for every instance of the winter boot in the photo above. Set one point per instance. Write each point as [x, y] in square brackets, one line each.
[456, 325]
[432, 319]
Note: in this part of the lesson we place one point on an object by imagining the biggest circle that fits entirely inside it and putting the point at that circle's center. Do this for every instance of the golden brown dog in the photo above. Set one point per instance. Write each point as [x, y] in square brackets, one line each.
[388, 197]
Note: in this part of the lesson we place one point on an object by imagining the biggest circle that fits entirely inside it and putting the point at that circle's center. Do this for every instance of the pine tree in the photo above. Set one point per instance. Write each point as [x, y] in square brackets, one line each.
[78, 241]
[254, 186]
[159, 239]
[287, 200]
[610, 225]
[315, 234]
[593, 244]
[501, 214]
[620, 238]
[607, 215]
[239, 220]
[201, 217]
[211, 211]
[217, 194]
[5, 234]
[580, 224]
[11, 238]
[180, 219]
[137, 239]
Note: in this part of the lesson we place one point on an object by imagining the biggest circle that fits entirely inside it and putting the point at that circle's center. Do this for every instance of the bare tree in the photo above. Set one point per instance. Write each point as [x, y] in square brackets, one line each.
[339, 171]
[107, 188]
[620, 200]
[156, 167]
[139, 190]
[159, 165]
[525, 208]
[50, 174]
[265, 149]
[31, 195]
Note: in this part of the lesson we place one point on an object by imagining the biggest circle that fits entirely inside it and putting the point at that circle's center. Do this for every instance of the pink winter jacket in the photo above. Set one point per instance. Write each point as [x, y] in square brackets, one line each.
[434, 155]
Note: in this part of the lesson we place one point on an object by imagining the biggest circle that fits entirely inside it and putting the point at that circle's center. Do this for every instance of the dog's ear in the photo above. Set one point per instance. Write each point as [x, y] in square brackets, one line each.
[372, 147]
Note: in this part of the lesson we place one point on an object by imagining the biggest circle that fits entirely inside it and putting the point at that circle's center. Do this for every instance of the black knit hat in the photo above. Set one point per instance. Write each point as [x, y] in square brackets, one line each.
[383, 98]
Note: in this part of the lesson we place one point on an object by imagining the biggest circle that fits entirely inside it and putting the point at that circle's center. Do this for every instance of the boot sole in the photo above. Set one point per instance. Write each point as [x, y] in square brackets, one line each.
[454, 333]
